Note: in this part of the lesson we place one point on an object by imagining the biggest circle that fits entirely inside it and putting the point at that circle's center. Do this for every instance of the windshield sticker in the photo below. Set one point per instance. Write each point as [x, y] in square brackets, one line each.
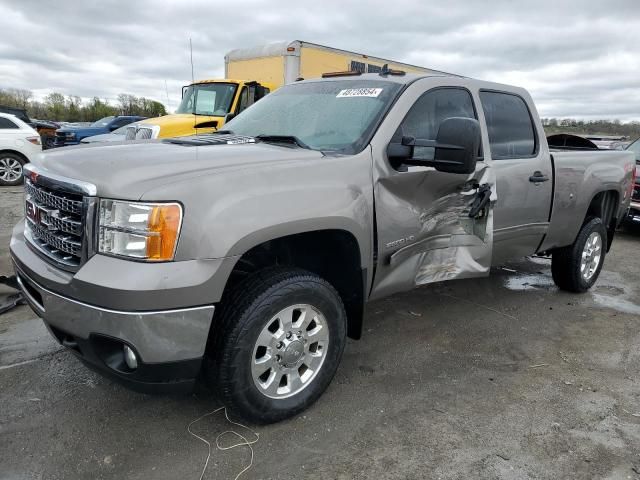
[359, 92]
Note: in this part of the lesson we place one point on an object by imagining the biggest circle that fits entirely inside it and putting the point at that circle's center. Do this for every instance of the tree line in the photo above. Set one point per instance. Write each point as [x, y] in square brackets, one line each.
[591, 127]
[71, 108]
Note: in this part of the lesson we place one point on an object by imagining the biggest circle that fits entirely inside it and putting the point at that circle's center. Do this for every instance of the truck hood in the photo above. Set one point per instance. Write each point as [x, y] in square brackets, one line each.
[184, 124]
[126, 170]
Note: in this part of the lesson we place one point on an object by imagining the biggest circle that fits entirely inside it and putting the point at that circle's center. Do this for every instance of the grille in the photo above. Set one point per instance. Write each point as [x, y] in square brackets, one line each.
[55, 223]
[131, 133]
[61, 138]
[144, 133]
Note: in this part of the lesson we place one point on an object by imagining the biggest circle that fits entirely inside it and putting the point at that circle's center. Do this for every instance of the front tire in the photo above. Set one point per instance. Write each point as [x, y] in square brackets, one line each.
[11, 169]
[280, 339]
[576, 268]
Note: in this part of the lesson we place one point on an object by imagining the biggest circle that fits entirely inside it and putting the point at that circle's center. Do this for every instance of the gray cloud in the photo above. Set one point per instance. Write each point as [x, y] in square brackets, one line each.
[578, 58]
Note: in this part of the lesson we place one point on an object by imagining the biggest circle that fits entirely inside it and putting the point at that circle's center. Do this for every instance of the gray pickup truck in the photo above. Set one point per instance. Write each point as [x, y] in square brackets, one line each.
[245, 257]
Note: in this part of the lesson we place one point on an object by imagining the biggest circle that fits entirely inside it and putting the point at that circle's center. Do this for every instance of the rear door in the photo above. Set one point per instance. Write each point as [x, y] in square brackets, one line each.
[425, 233]
[524, 175]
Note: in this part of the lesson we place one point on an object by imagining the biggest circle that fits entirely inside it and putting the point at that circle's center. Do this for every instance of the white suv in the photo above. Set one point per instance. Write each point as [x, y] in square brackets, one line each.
[19, 144]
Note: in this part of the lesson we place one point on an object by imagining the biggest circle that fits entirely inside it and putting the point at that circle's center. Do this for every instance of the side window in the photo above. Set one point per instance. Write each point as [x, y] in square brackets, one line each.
[120, 122]
[511, 132]
[426, 115]
[6, 124]
[244, 100]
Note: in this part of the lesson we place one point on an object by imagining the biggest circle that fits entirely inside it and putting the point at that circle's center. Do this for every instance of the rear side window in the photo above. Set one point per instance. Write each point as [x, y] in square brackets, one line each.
[6, 124]
[511, 133]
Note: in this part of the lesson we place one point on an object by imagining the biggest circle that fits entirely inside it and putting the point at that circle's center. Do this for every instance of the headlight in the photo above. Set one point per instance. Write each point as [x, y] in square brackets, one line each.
[70, 135]
[146, 231]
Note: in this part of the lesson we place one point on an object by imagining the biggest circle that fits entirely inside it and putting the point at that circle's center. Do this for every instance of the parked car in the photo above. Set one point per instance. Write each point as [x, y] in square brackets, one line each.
[633, 217]
[72, 135]
[45, 128]
[253, 251]
[118, 135]
[19, 144]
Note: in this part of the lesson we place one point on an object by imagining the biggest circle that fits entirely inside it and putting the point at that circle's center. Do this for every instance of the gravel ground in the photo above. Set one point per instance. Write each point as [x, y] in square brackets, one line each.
[498, 378]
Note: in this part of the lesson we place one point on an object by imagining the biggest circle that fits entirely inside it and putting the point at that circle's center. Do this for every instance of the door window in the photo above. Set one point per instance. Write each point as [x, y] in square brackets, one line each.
[243, 103]
[511, 132]
[6, 124]
[429, 111]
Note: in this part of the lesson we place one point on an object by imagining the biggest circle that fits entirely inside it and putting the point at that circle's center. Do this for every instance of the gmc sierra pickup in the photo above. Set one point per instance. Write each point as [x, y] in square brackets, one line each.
[246, 257]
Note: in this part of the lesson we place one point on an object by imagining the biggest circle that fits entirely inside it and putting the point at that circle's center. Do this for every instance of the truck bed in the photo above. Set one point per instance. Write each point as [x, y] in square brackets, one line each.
[580, 175]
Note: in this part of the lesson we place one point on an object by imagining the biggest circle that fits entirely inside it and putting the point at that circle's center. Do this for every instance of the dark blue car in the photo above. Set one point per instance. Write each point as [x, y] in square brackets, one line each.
[72, 135]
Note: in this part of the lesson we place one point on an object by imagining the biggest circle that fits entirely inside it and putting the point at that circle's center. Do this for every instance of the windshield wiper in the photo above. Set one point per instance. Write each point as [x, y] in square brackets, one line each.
[283, 139]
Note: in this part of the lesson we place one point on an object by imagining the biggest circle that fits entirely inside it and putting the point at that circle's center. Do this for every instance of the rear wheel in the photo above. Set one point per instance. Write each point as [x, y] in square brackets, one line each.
[280, 339]
[576, 268]
[11, 169]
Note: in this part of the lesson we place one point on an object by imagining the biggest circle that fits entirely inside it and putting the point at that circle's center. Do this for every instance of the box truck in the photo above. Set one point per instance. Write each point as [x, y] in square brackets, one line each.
[284, 62]
[250, 74]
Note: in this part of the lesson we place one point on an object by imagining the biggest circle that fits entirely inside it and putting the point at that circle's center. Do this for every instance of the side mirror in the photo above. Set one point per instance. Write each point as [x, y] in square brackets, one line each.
[456, 147]
[229, 116]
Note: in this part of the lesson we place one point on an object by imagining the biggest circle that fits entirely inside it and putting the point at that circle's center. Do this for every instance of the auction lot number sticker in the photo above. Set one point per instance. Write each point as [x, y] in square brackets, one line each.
[359, 92]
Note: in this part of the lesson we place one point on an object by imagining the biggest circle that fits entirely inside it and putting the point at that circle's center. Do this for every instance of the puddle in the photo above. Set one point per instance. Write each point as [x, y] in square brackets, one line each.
[610, 291]
[525, 281]
[615, 303]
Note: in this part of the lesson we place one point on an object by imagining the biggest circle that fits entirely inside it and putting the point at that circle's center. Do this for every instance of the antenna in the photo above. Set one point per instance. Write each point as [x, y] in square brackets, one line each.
[195, 97]
[166, 89]
[191, 55]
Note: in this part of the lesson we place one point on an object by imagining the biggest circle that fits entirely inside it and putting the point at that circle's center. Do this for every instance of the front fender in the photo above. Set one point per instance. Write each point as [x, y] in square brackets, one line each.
[229, 212]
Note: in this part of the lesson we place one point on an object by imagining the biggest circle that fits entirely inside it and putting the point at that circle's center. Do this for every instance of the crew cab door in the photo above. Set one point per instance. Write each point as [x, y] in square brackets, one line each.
[524, 173]
[424, 231]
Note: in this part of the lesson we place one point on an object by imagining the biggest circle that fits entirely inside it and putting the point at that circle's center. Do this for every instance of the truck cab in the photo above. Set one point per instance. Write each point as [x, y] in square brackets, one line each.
[206, 105]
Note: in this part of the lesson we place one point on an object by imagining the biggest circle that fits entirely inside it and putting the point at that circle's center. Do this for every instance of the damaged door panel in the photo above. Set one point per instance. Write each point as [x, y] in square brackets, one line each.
[439, 239]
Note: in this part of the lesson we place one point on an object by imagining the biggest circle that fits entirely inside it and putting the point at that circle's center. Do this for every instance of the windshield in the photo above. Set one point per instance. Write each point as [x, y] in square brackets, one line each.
[122, 130]
[208, 99]
[336, 116]
[103, 122]
[635, 148]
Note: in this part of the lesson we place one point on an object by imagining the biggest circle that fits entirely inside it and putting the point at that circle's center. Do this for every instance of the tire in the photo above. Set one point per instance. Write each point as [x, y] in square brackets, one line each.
[252, 336]
[567, 267]
[11, 169]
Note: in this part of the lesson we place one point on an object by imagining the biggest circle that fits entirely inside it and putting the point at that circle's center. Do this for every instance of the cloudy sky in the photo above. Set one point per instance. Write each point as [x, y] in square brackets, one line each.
[579, 59]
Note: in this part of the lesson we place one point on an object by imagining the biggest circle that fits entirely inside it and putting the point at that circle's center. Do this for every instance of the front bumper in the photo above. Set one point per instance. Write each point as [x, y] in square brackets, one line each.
[633, 215]
[65, 143]
[162, 311]
[168, 344]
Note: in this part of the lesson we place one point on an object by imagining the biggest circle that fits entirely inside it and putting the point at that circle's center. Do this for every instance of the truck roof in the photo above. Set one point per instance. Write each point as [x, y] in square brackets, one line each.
[411, 77]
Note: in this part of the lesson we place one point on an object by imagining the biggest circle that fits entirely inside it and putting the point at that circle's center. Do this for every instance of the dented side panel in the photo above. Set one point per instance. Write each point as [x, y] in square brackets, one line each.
[425, 233]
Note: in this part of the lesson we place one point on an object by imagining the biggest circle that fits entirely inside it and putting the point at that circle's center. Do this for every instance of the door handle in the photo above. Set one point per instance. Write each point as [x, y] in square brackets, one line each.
[538, 176]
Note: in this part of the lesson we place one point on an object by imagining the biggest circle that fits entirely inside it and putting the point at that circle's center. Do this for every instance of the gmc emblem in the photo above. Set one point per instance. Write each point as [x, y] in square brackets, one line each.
[33, 212]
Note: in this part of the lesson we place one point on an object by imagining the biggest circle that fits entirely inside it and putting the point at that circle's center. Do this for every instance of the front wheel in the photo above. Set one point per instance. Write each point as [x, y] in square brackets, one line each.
[576, 268]
[11, 169]
[280, 339]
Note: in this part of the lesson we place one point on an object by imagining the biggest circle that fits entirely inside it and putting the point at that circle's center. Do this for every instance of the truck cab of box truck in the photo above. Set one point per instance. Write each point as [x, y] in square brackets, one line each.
[205, 106]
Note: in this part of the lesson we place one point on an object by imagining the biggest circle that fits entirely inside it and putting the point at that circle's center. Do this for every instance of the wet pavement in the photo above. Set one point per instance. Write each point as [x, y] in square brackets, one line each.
[498, 378]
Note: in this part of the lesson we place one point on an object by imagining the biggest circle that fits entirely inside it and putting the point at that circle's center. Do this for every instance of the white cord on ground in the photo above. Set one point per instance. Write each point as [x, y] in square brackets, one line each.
[229, 447]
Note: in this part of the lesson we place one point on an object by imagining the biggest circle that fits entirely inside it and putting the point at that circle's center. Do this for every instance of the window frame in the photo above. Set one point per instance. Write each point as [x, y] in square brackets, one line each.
[481, 154]
[536, 141]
